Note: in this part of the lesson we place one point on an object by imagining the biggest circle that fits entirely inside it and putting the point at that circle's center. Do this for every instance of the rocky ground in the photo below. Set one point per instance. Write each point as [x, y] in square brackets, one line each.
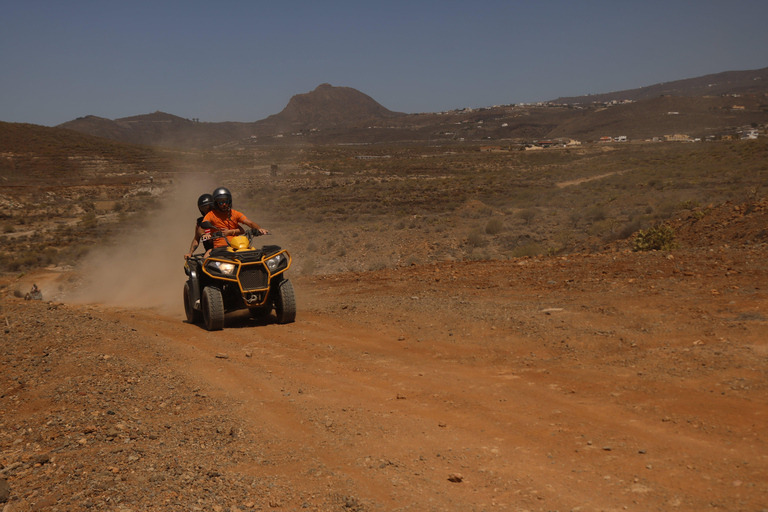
[608, 381]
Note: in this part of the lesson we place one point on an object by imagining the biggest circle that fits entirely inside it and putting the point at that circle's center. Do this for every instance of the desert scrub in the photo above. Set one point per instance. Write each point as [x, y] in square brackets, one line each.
[700, 214]
[527, 250]
[478, 254]
[657, 238]
[88, 220]
[596, 213]
[628, 229]
[690, 204]
[527, 214]
[476, 239]
[494, 226]
[413, 260]
[377, 265]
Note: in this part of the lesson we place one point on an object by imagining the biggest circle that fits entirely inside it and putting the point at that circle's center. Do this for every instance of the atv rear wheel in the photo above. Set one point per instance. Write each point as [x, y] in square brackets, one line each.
[285, 303]
[213, 309]
[193, 316]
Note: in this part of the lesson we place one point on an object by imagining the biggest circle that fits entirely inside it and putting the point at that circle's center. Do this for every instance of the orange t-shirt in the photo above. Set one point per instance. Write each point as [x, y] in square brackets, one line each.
[224, 220]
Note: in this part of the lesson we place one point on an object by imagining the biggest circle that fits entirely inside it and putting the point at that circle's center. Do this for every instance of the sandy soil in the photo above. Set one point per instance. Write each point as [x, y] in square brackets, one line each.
[611, 381]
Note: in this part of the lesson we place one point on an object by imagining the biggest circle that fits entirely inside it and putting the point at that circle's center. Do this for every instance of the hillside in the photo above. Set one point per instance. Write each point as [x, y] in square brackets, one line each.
[667, 115]
[717, 84]
[161, 129]
[34, 156]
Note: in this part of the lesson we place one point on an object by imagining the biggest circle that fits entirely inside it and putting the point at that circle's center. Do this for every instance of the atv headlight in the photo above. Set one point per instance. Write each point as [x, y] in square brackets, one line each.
[274, 262]
[224, 268]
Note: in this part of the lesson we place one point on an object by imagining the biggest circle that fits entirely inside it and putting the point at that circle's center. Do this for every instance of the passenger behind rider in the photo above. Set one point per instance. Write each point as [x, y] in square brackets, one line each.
[227, 220]
[204, 204]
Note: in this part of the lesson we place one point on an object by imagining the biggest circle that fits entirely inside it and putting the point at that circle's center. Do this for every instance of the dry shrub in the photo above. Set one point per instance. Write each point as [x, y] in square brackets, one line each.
[413, 260]
[494, 226]
[596, 213]
[377, 265]
[531, 249]
[690, 204]
[478, 254]
[528, 214]
[476, 239]
[628, 229]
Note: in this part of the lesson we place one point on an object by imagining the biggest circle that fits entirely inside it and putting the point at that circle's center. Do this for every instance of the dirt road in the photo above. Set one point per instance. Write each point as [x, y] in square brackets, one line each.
[616, 381]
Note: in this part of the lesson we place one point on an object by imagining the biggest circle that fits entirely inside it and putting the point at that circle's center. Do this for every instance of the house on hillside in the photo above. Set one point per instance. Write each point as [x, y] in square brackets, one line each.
[606, 139]
[749, 134]
[620, 138]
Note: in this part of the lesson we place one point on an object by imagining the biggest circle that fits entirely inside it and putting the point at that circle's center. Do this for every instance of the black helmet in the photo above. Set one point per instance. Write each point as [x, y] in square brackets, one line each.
[205, 203]
[222, 199]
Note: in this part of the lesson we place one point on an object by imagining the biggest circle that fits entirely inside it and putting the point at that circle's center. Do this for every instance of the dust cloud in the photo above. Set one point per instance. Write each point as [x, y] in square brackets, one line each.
[144, 266]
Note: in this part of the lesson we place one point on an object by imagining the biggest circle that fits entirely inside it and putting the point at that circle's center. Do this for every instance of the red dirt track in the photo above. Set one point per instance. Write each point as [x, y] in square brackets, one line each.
[610, 381]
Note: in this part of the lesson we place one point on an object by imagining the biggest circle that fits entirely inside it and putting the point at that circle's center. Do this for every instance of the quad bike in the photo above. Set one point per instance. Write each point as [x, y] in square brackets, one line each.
[238, 277]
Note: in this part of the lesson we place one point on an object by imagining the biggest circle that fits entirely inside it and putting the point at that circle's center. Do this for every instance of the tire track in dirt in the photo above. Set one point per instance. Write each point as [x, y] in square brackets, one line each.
[351, 395]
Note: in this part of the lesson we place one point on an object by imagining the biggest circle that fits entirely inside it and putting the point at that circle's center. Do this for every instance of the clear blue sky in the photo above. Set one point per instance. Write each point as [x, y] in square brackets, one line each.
[242, 60]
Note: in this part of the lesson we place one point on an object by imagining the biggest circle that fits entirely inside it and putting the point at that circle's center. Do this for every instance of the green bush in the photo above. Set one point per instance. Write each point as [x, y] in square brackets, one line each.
[690, 204]
[700, 214]
[657, 238]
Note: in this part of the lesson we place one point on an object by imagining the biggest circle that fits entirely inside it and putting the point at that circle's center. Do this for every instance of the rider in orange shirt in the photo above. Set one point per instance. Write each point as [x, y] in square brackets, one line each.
[227, 220]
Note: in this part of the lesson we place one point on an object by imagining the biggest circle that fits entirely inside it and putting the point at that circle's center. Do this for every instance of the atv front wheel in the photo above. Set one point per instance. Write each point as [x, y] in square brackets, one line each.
[193, 316]
[213, 309]
[285, 303]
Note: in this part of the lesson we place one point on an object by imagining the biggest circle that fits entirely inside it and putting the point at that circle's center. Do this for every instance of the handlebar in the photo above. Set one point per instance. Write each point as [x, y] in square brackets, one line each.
[214, 235]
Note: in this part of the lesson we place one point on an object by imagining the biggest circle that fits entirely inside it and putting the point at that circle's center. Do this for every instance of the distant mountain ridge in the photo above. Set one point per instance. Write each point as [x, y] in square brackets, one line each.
[729, 82]
[323, 108]
[331, 114]
[160, 129]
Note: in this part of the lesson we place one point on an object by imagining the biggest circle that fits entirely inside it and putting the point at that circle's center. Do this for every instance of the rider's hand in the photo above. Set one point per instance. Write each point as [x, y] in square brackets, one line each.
[187, 256]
